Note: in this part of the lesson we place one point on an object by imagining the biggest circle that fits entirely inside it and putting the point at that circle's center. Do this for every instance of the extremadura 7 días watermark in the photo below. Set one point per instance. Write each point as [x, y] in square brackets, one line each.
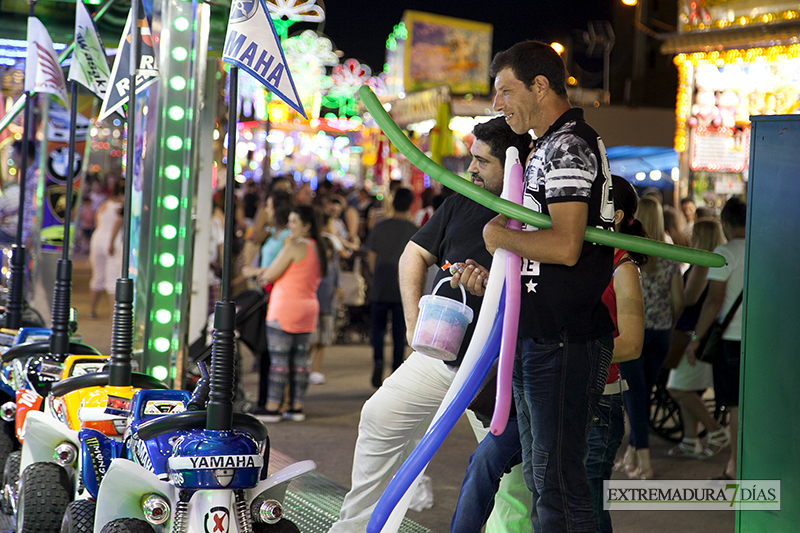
[692, 495]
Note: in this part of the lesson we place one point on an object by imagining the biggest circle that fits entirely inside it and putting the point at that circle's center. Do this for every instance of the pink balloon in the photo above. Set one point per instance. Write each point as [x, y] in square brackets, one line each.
[508, 344]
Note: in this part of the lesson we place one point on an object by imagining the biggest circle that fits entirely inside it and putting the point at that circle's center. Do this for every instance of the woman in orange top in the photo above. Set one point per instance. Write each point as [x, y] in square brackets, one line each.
[292, 312]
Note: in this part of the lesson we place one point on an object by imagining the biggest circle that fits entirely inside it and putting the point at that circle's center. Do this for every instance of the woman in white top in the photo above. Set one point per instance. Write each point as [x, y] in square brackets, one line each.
[105, 247]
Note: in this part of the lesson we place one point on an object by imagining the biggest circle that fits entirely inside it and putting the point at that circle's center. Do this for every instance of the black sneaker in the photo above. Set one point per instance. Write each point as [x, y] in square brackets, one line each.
[267, 416]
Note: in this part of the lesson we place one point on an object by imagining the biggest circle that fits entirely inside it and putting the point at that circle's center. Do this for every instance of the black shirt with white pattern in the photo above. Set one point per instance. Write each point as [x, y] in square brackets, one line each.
[568, 164]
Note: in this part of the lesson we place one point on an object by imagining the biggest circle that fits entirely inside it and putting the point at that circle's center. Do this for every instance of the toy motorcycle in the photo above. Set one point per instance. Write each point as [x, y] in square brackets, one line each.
[27, 372]
[171, 474]
[48, 428]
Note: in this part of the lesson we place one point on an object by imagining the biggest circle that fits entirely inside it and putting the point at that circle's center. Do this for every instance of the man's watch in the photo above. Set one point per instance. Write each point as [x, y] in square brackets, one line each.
[693, 336]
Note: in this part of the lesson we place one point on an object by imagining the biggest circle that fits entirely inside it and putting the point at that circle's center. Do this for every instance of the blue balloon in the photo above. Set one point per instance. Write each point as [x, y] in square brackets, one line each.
[435, 436]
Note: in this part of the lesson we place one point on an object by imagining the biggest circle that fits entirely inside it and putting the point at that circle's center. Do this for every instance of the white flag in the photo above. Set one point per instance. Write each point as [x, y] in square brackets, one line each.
[253, 45]
[89, 64]
[42, 70]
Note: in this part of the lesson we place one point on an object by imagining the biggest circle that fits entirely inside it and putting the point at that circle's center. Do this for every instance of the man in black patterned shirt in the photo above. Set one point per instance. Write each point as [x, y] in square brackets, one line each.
[565, 330]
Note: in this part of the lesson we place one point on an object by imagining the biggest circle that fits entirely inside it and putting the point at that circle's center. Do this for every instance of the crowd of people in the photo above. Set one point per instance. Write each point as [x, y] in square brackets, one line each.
[323, 257]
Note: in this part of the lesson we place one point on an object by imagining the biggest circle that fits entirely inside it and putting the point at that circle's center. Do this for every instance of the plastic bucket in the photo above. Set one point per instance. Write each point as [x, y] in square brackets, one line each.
[441, 324]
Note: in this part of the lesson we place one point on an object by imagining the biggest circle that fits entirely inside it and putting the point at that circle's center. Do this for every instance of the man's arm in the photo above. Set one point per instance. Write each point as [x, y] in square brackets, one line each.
[413, 271]
[371, 257]
[559, 245]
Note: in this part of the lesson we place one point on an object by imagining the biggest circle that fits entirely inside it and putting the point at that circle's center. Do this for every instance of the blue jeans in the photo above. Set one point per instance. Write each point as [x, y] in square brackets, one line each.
[498, 454]
[495, 455]
[608, 429]
[641, 375]
[557, 383]
[380, 312]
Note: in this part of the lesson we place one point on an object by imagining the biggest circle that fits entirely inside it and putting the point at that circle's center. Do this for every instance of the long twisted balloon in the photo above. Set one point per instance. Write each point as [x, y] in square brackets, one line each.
[518, 212]
[490, 314]
[512, 191]
[413, 466]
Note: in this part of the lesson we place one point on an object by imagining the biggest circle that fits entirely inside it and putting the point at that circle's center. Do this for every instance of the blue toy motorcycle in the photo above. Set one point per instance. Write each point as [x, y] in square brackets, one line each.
[172, 474]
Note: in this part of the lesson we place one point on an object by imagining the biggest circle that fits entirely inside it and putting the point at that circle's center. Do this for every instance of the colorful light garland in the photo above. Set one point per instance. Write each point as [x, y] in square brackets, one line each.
[308, 54]
[699, 15]
[347, 79]
[304, 10]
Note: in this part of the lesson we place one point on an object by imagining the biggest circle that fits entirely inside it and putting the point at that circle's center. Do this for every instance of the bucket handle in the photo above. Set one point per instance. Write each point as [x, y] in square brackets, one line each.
[460, 286]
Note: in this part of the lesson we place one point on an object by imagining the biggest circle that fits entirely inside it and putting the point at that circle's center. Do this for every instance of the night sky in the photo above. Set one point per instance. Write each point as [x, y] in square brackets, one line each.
[359, 27]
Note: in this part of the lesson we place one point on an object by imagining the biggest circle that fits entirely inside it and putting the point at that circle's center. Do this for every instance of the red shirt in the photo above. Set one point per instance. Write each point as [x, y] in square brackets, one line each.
[610, 299]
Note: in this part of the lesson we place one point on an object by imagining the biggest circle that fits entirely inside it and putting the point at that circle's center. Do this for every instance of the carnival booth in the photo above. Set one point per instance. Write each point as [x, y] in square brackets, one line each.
[735, 59]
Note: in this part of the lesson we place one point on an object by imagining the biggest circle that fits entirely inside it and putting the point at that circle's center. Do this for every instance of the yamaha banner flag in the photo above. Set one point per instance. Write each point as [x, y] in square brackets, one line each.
[252, 48]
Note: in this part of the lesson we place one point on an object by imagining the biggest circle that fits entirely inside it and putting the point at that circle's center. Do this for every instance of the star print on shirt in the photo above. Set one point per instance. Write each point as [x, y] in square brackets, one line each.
[531, 286]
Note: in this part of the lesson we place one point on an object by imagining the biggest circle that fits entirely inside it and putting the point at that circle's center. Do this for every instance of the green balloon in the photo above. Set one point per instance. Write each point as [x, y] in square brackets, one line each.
[518, 212]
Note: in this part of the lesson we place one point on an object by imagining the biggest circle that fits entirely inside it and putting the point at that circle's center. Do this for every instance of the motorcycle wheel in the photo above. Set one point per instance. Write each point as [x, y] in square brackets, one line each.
[10, 482]
[127, 525]
[282, 526]
[44, 495]
[79, 517]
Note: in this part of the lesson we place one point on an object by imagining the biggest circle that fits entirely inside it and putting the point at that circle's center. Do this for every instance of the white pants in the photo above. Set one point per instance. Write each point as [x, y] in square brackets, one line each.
[393, 421]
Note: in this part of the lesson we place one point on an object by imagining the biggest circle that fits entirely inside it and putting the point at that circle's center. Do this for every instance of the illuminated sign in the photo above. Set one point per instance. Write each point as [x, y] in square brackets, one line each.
[419, 106]
[720, 149]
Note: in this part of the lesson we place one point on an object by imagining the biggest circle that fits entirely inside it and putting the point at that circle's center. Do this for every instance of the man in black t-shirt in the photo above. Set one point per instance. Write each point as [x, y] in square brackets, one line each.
[250, 200]
[386, 243]
[396, 417]
[565, 330]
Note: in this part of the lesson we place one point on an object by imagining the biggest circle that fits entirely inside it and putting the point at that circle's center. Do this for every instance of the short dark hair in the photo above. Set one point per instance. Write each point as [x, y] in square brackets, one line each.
[282, 204]
[529, 59]
[703, 211]
[625, 199]
[403, 198]
[17, 147]
[119, 187]
[499, 136]
[734, 212]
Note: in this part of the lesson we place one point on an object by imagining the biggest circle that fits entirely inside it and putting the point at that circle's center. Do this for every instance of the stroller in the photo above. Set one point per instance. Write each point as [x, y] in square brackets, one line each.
[251, 329]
